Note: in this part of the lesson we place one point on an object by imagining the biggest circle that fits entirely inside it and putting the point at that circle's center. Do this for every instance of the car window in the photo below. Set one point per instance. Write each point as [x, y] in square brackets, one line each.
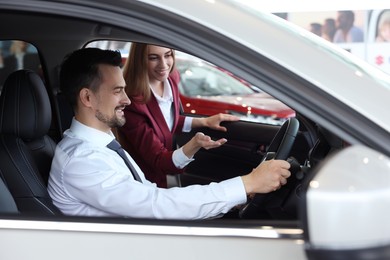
[200, 78]
[15, 55]
[206, 89]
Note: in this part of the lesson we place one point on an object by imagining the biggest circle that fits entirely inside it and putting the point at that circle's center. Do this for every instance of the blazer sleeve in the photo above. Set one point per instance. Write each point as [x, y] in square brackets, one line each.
[142, 137]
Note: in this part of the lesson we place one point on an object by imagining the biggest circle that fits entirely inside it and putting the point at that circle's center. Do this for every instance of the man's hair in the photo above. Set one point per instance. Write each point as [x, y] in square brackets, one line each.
[316, 28]
[349, 14]
[80, 69]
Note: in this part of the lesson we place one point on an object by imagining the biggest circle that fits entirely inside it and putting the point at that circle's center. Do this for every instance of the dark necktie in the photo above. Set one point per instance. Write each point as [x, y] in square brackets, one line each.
[114, 145]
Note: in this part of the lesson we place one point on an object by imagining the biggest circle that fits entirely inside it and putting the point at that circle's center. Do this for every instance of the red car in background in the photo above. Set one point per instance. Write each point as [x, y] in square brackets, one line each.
[206, 90]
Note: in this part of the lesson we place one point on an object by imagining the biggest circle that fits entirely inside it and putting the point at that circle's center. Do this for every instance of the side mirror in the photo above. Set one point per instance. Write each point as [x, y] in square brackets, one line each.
[347, 207]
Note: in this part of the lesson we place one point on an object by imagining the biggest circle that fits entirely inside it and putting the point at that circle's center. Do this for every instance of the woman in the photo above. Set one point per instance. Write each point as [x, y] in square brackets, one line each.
[383, 31]
[154, 117]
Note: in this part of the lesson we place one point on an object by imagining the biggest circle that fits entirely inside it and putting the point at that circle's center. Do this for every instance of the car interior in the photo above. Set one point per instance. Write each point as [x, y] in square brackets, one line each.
[33, 116]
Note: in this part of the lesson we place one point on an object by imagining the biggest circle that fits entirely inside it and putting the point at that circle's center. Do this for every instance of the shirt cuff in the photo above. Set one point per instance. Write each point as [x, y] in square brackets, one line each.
[235, 191]
[187, 124]
[180, 160]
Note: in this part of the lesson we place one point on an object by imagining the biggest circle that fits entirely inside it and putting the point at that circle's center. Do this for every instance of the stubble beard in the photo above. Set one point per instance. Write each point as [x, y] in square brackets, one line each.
[112, 122]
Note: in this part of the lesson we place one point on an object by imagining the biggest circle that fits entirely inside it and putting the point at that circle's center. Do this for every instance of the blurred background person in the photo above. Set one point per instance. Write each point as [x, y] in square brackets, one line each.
[329, 29]
[346, 30]
[19, 58]
[383, 31]
[316, 28]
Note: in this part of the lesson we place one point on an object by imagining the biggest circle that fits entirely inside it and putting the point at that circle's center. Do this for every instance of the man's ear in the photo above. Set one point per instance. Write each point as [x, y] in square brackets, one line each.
[85, 97]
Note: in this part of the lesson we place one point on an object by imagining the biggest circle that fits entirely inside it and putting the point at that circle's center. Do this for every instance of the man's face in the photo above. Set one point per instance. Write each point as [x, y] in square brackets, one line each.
[110, 99]
[343, 21]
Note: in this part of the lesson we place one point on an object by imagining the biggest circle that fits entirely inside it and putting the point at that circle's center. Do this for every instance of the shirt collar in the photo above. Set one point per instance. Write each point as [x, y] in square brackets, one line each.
[89, 134]
[167, 94]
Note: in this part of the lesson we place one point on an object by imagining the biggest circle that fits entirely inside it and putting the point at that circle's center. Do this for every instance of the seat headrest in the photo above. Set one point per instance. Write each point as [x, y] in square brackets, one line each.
[25, 109]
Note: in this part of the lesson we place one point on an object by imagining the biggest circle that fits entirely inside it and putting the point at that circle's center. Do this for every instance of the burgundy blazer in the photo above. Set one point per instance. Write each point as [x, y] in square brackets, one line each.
[147, 138]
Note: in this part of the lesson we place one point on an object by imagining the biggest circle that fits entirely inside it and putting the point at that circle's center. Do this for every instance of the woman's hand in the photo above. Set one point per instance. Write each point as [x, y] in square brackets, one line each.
[214, 122]
[201, 140]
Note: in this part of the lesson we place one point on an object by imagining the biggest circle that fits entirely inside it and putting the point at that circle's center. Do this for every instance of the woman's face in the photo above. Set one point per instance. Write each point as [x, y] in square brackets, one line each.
[385, 32]
[160, 62]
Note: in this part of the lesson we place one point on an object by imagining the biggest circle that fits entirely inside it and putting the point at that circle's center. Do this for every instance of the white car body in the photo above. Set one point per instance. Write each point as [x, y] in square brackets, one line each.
[342, 179]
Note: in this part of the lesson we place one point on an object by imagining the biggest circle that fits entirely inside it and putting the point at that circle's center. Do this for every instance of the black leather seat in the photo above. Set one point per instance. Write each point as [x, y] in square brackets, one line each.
[7, 202]
[26, 151]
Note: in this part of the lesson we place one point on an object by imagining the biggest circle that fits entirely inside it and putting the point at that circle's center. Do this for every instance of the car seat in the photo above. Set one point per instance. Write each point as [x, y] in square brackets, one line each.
[7, 202]
[26, 151]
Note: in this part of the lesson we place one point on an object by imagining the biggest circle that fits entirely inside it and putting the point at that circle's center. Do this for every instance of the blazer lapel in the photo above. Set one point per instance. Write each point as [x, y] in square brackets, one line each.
[176, 103]
[158, 119]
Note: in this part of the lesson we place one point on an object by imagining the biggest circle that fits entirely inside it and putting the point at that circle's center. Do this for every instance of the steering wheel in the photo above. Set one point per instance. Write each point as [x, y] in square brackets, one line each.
[279, 148]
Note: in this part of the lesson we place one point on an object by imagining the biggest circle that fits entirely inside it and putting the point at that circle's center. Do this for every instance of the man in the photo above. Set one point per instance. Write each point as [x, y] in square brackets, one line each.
[346, 31]
[87, 178]
[316, 28]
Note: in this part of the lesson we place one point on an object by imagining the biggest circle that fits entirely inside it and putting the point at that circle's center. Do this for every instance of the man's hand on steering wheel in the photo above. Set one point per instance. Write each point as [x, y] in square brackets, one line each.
[268, 176]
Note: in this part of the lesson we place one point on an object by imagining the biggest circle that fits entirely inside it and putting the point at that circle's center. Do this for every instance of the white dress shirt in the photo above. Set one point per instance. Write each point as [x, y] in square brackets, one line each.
[89, 179]
[179, 159]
